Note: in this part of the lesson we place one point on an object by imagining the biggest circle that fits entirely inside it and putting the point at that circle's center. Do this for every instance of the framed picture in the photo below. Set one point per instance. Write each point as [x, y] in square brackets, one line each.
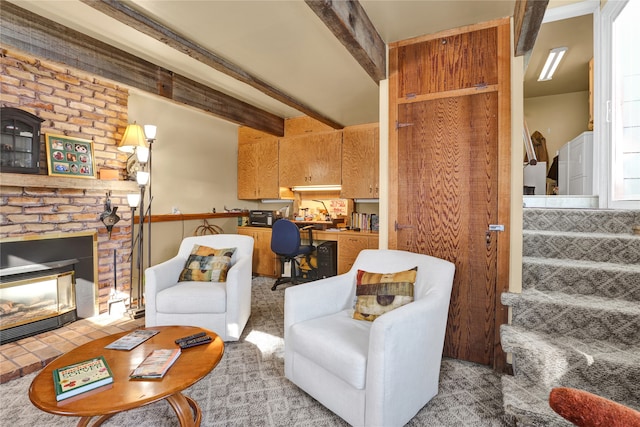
[67, 156]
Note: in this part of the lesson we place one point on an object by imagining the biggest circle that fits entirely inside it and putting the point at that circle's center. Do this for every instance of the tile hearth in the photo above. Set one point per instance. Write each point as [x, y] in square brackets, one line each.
[30, 354]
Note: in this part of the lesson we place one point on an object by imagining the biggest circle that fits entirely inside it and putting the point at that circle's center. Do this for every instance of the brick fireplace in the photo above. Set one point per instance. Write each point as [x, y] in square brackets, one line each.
[33, 206]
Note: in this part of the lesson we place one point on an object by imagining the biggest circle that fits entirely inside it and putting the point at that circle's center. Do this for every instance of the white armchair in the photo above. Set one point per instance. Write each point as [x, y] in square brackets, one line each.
[223, 307]
[378, 373]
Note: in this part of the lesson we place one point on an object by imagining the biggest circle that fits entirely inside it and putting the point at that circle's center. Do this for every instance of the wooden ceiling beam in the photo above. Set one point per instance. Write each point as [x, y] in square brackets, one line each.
[131, 17]
[349, 22]
[527, 18]
[46, 39]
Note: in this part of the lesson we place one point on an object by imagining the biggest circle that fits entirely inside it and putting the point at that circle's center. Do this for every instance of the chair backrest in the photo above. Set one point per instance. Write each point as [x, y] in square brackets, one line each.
[434, 274]
[285, 238]
[243, 244]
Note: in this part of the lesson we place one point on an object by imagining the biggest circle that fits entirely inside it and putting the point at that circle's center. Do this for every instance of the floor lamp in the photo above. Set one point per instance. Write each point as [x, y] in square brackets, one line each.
[134, 142]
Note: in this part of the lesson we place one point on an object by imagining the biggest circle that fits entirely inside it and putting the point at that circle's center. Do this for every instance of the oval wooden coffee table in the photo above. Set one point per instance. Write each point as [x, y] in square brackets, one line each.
[193, 364]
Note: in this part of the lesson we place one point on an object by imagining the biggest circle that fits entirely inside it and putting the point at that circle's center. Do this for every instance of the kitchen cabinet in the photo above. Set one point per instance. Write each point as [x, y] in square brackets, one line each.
[350, 245]
[265, 262]
[257, 165]
[310, 159]
[360, 162]
[20, 141]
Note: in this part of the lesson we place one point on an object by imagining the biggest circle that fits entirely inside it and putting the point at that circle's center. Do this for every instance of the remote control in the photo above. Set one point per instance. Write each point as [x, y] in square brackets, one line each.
[194, 342]
[190, 337]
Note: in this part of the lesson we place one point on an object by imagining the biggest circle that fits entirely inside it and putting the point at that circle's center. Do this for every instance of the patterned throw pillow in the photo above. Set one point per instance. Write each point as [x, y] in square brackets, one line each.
[379, 293]
[207, 264]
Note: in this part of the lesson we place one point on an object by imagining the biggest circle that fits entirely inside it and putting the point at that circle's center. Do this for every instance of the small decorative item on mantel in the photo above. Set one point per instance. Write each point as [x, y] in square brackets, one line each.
[109, 174]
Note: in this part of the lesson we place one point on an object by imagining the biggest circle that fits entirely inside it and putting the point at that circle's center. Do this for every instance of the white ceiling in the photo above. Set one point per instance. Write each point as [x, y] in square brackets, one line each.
[280, 41]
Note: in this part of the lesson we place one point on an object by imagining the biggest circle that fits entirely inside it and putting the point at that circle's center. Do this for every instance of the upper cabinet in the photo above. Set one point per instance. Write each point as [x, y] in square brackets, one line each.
[20, 141]
[257, 165]
[311, 159]
[360, 162]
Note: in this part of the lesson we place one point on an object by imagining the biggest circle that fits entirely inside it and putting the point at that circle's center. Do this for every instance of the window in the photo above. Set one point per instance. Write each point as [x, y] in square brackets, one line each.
[620, 104]
[625, 103]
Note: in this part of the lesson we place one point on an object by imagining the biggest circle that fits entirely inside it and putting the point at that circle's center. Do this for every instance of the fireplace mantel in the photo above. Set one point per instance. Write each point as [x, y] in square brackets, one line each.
[45, 181]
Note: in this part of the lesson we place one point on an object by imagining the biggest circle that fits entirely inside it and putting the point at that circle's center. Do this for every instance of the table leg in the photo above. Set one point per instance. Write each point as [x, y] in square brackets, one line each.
[84, 421]
[187, 410]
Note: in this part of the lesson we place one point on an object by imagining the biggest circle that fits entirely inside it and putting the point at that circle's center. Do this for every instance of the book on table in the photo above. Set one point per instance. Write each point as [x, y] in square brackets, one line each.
[132, 339]
[72, 380]
[156, 364]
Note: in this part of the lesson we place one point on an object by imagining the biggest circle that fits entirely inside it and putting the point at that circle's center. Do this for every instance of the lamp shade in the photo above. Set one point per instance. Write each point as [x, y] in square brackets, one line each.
[142, 154]
[133, 199]
[142, 178]
[150, 131]
[133, 137]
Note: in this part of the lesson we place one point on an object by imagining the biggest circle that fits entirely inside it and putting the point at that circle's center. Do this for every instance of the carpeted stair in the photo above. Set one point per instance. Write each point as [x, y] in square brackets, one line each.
[577, 321]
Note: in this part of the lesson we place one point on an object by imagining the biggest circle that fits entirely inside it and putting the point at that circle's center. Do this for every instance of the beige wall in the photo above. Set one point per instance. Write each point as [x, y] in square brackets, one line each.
[194, 168]
[559, 118]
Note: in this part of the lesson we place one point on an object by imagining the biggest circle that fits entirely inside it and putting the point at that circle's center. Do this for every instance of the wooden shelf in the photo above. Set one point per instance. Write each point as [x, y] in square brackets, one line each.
[46, 181]
[195, 216]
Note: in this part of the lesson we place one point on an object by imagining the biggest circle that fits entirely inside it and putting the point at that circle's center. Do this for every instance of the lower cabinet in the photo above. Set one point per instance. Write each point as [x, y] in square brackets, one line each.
[265, 262]
[349, 246]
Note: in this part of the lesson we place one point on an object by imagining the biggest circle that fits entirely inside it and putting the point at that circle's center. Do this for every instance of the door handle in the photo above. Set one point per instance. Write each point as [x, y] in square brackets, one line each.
[492, 228]
[397, 226]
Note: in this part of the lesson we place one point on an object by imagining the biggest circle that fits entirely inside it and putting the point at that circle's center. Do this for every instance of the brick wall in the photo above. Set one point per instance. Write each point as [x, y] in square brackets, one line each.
[77, 105]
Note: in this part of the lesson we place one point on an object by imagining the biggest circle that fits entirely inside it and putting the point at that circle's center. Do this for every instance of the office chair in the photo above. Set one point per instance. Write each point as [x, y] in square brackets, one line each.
[285, 243]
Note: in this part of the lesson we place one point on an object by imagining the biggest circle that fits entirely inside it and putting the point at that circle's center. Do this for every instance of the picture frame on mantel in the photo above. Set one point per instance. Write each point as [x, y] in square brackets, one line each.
[68, 156]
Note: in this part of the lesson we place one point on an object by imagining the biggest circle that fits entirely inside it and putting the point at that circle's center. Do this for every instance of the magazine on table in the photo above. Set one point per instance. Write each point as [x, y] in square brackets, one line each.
[132, 339]
[156, 364]
[72, 380]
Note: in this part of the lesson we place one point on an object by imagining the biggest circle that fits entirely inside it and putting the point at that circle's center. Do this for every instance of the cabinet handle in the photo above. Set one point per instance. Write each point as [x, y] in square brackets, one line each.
[370, 189]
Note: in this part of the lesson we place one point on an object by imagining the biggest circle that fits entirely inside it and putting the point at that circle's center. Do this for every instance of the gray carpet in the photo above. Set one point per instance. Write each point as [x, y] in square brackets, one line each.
[248, 387]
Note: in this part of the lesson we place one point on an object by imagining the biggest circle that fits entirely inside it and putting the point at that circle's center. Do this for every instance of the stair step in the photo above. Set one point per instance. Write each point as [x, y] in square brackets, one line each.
[598, 247]
[529, 404]
[581, 220]
[617, 281]
[580, 316]
[600, 367]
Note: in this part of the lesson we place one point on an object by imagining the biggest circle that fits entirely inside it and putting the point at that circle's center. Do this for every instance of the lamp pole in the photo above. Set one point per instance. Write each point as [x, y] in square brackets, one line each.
[140, 307]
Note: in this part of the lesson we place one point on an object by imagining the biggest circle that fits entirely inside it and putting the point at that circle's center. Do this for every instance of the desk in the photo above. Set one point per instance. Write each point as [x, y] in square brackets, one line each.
[350, 243]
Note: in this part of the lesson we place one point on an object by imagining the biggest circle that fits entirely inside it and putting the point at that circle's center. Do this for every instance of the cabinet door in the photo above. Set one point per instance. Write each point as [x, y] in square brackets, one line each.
[19, 141]
[293, 161]
[257, 165]
[247, 170]
[348, 249]
[360, 162]
[311, 159]
[324, 158]
[249, 232]
[267, 264]
[266, 152]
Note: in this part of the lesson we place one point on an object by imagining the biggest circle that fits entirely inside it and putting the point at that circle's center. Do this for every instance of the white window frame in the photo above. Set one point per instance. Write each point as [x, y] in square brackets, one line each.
[604, 94]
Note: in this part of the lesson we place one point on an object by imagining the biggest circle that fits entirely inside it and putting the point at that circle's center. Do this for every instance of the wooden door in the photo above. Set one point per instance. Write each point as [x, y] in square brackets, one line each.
[448, 193]
[449, 162]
